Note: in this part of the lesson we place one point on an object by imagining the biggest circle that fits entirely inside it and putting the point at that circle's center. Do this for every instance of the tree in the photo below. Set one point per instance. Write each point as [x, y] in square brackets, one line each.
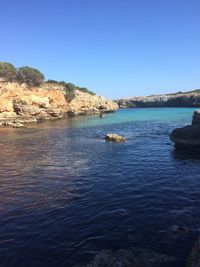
[70, 86]
[30, 76]
[7, 71]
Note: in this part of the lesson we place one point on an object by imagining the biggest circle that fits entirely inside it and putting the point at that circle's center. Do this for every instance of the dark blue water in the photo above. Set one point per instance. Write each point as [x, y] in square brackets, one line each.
[66, 194]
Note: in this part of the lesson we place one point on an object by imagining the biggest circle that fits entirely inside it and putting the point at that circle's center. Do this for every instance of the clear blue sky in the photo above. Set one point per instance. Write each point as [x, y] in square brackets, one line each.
[114, 47]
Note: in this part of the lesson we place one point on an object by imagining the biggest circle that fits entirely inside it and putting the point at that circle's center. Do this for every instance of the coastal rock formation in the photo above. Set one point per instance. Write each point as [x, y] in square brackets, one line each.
[115, 138]
[84, 104]
[188, 136]
[188, 99]
[22, 104]
[196, 118]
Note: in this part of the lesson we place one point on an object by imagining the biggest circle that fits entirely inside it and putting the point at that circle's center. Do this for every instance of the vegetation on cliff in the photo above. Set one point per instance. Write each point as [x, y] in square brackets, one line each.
[70, 87]
[8, 72]
[30, 76]
[34, 78]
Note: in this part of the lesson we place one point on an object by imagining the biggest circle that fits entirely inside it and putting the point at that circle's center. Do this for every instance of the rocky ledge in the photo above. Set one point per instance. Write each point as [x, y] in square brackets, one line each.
[188, 136]
[20, 104]
[187, 99]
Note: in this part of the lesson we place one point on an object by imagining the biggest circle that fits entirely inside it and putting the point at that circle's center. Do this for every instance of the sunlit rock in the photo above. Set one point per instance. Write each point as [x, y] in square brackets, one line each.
[115, 137]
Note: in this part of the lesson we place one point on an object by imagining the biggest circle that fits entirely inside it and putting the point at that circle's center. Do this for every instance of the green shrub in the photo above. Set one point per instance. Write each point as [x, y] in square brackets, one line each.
[70, 86]
[30, 76]
[7, 71]
[85, 90]
[70, 94]
[52, 81]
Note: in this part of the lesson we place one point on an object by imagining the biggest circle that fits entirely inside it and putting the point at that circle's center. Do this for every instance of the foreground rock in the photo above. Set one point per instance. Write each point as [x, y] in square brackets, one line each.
[188, 136]
[194, 257]
[12, 124]
[132, 257]
[115, 138]
[188, 99]
[22, 104]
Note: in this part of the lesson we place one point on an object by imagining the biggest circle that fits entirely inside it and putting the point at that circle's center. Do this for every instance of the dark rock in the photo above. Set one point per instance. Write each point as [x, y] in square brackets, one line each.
[196, 118]
[180, 229]
[188, 136]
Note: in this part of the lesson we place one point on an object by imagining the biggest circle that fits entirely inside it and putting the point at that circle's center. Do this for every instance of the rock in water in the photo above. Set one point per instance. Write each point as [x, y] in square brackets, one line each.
[196, 118]
[115, 138]
[188, 136]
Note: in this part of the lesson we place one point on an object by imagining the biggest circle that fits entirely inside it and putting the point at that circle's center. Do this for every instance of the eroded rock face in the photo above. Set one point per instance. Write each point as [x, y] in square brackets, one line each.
[188, 136]
[166, 100]
[115, 138]
[24, 104]
[84, 104]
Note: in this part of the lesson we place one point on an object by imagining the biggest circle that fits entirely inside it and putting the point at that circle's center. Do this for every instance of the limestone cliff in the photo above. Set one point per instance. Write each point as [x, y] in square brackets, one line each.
[188, 99]
[20, 103]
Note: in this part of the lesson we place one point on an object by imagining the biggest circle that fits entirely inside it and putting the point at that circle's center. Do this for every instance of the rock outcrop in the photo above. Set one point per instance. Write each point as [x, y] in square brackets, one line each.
[188, 136]
[22, 104]
[188, 99]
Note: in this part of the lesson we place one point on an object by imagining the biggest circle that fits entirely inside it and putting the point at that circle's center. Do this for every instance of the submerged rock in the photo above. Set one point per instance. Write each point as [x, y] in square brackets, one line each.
[115, 137]
[180, 229]
[132, 257]
[14, 124]
[194, 257]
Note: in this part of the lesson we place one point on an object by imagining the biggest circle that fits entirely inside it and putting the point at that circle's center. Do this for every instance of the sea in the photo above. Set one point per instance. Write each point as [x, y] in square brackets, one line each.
[66, 194]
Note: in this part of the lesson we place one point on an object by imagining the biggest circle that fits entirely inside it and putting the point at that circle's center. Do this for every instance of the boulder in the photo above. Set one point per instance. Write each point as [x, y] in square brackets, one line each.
[188, 136]
[115, 137]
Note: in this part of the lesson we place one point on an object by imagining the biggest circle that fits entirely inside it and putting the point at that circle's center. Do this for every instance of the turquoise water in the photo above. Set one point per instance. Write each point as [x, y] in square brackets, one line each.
[174, 115]
[66, 194]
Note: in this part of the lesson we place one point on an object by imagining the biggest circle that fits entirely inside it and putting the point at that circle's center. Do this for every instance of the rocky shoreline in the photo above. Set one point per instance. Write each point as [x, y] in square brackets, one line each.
[21, 104]
[187, 99]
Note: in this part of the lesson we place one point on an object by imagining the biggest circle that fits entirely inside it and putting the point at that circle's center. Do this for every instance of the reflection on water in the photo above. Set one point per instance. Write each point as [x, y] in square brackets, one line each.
[66, 194]
[186, 154]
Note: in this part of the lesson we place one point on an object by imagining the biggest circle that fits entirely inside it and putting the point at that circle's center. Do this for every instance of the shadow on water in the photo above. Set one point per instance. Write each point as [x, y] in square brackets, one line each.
[186, 154]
